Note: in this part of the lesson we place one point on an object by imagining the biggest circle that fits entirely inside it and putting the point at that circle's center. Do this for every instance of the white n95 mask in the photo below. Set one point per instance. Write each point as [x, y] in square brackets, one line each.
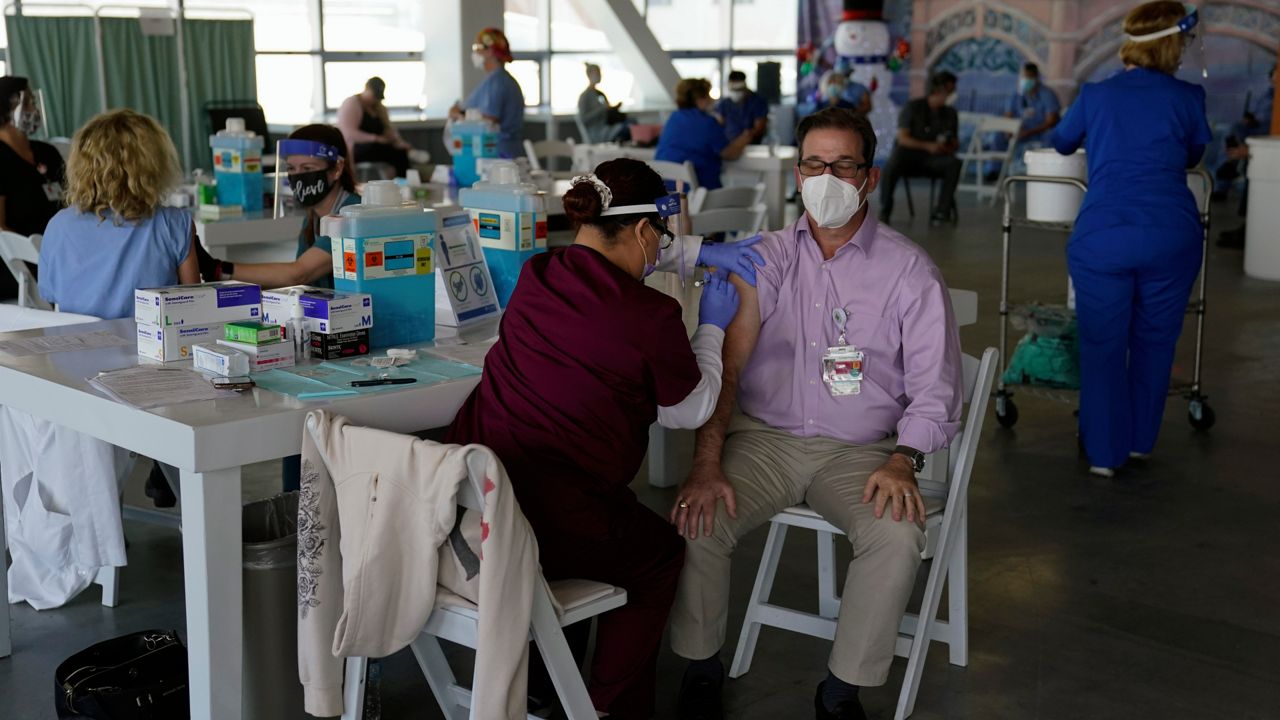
[830, 201]
[477, 60]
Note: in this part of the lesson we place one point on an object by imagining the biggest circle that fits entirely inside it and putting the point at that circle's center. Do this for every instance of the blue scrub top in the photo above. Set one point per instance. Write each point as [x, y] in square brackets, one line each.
[91, 266]
[1032, 108]
[1141, 130]
[693, 135]
[323, 241]
[499, 96]
[739, 117]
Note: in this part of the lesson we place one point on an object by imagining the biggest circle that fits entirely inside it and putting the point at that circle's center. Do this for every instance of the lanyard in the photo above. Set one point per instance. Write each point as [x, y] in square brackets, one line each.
[841, 319]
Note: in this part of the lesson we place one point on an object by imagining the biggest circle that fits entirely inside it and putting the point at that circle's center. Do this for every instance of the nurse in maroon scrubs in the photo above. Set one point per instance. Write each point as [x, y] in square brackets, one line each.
[588, 358]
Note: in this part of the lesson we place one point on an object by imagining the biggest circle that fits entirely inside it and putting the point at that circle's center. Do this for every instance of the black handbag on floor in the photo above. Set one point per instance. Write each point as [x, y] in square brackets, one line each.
[140, 676]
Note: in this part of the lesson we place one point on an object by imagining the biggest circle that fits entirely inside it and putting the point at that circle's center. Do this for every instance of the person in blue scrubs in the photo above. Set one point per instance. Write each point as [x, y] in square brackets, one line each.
[692, 134]
[1136, 248]
[1039, 110]
[742, 109]
[498, 96]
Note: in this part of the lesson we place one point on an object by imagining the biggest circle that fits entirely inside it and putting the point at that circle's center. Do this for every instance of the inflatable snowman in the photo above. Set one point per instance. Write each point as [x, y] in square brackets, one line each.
[862, 45]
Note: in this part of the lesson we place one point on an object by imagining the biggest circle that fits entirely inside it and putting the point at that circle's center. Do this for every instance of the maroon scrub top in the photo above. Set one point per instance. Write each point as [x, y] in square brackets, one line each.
[585, 355]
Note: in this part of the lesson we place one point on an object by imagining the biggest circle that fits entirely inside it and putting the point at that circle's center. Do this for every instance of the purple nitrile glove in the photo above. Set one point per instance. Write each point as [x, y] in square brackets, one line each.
[719, 301]
[739, 258]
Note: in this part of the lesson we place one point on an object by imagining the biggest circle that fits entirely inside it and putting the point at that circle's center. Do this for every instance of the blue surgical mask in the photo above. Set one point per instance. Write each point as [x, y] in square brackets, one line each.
[1026, 85]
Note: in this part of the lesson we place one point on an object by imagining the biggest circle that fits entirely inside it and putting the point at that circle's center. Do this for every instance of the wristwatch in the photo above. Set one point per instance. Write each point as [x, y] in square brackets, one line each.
[915, 456]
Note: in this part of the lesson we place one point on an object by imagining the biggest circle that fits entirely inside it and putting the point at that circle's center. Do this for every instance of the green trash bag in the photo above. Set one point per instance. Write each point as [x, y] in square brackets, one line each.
[1046, 361]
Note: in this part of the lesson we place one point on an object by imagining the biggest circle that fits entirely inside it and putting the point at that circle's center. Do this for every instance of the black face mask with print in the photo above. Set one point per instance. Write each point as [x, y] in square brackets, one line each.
[310, 188]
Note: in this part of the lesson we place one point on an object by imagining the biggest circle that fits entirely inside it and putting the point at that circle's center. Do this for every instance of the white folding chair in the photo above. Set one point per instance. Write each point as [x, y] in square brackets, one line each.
[976, 156]
[17, 250]
[542, 150]
[738, 222]
[743, 196]
[578, 599]
[677, 172]
[946, 528]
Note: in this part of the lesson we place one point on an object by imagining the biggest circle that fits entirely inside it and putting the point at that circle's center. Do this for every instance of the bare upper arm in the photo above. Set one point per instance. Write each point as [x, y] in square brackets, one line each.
[741, 335]
[189, 268]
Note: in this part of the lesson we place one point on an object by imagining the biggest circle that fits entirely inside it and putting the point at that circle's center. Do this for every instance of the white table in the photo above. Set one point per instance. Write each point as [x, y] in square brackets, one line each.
[209, 441]
[771, 164]
[256, 237]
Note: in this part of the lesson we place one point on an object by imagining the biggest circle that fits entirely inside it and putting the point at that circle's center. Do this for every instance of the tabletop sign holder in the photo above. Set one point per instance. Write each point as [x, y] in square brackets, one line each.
[464, 290]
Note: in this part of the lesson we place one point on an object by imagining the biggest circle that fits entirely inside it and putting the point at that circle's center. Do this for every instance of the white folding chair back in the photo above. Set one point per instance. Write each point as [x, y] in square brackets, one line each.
[679, 172]
[736, 221]
[946, 501]
[542, 150]
[744, 196]
[17, 250]
[578, 599]
[976, 156]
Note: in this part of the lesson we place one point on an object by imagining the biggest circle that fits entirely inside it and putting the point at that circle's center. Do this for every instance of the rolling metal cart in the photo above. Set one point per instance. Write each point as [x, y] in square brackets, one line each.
[1199, 413]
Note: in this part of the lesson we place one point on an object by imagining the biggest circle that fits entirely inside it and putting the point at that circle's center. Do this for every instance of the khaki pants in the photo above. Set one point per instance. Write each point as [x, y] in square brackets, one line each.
[772, 470]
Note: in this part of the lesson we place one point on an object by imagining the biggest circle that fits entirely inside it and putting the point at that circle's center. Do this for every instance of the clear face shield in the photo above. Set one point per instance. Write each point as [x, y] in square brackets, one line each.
[671, 210]
[1186, 27]
[28, 115]
[298, 183]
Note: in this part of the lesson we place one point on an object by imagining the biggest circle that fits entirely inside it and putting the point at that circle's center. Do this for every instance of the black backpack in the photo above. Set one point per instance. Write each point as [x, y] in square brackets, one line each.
[140, 676]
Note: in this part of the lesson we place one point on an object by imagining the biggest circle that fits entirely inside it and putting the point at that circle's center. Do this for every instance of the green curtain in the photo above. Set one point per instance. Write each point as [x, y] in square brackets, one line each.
[58, 55]
[220, 66]
[142, 73]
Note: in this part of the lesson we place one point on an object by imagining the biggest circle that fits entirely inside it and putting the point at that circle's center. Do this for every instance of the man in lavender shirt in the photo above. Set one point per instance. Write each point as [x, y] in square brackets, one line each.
[793, 438]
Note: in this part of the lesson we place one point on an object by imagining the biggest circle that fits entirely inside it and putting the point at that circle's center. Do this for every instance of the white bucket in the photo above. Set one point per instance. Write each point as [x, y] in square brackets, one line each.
[1262, 227]
[1053, 202]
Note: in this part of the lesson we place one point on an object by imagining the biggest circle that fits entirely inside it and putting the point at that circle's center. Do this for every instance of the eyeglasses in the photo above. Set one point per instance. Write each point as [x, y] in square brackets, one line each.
[840, 168]
[665, 237]
[478, 47]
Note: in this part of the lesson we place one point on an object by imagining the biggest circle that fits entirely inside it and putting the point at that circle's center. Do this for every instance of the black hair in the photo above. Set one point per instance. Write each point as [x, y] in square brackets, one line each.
[737, 76]
[631, 182]
[377, 85]
[940, 80]
[837, 118]
[332, 136]
[11, 87]
[1031, 69]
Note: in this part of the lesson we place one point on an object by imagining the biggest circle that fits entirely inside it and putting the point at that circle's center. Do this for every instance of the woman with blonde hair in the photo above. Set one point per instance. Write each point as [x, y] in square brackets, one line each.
[1136, 247]
[114, 237]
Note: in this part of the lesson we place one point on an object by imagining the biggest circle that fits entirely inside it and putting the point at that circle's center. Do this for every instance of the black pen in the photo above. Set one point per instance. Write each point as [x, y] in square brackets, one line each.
[383, 381]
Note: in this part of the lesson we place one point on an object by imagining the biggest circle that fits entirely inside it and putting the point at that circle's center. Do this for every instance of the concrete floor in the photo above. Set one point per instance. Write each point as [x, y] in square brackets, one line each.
[1089, 599]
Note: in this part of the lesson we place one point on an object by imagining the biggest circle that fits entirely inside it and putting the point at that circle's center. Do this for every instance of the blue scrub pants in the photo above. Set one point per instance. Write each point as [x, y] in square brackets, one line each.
[1132, 287]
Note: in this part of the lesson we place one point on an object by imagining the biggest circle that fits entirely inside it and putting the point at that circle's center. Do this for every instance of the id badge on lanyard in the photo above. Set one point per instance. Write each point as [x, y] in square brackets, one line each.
[843, 364]
[53, 192]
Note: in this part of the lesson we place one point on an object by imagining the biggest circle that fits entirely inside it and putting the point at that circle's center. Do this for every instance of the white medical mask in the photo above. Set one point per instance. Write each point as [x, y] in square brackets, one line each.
[737, 93]
[477, 60]
[830, 201]
[951, 99]
[1026, 85]
[28, 121]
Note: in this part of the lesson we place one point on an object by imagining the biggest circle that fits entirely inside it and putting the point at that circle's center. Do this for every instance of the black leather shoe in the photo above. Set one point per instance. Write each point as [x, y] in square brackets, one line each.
[847, 710]
[700, 698]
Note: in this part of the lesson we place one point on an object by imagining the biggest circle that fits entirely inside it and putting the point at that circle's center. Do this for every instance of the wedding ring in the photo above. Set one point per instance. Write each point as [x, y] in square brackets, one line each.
[907, 495]
[683, 504]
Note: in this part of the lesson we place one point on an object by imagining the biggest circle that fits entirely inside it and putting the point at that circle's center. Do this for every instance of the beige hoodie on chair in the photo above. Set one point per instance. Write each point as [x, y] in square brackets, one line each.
[366, 590]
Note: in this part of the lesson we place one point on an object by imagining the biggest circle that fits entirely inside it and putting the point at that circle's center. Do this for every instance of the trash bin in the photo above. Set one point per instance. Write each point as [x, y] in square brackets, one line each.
[271, 687]
[1051, 202]
[1262, 227]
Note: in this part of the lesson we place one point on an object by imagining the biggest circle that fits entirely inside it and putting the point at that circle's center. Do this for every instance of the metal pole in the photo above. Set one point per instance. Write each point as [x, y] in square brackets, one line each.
[184, 94]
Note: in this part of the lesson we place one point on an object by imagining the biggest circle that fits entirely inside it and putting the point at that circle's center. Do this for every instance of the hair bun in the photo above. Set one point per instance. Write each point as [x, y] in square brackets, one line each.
[583, 204]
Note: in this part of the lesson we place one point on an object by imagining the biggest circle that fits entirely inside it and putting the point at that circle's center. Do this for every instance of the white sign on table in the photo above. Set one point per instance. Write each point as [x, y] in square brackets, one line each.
[464, 288]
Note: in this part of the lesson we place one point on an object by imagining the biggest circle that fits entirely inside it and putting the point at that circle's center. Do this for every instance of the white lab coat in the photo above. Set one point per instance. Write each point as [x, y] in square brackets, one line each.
[61, 507]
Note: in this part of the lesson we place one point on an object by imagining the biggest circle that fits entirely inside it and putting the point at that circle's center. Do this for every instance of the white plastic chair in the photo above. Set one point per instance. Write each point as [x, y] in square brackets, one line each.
[946, 528]
[549, 149]
[744, 196]
[735, 221]
[578, 599]
[677, 172]
[976, 156]
[15, 251]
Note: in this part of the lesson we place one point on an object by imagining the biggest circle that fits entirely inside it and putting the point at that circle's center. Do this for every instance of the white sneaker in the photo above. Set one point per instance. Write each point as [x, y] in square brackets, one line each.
[1100, 471]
